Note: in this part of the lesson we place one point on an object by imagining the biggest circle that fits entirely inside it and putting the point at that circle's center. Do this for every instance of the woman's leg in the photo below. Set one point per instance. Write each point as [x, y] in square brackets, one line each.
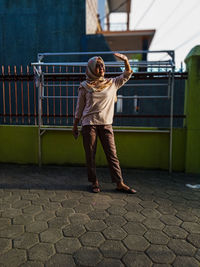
[90, 144]
[106, 136]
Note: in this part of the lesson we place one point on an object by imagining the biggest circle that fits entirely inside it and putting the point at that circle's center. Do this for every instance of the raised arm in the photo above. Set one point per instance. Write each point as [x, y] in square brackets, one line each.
[125, 59]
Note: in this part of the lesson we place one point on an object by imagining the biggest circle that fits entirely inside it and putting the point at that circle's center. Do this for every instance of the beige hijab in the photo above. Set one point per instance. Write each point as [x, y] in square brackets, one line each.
[93, 82]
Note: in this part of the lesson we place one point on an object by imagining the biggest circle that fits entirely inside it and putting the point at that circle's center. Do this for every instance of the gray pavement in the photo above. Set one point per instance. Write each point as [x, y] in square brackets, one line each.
[48, 217]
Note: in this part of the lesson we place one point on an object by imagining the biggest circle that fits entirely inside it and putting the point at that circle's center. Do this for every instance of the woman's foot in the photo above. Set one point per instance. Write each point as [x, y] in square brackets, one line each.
[125, 188]
[95, 187]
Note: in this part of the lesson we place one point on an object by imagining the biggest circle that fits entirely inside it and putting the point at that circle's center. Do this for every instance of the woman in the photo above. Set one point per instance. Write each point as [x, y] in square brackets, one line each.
[95, 109]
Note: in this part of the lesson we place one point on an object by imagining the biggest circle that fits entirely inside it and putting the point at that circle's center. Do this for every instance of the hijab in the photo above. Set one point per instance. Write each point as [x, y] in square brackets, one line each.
[93, 82]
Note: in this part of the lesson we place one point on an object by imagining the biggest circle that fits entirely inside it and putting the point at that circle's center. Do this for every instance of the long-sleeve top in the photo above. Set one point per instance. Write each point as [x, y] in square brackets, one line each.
[97, 107]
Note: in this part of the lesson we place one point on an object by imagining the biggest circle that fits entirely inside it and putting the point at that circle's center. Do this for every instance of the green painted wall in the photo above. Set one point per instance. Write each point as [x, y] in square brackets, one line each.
[19, 144]
[192, 110]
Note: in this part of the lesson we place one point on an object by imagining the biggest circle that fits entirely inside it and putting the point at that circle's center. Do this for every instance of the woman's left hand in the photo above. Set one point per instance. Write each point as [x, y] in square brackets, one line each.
[121, 56]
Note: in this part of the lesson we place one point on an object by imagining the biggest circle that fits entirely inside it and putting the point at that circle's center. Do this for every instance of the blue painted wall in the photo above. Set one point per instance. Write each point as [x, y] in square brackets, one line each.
[28, 27]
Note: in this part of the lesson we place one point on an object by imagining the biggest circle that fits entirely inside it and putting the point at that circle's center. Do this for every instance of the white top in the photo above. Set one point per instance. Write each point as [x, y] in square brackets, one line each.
[97, 107]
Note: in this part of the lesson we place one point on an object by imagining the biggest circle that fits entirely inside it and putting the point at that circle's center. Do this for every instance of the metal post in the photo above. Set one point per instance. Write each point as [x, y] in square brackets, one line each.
[171, 120]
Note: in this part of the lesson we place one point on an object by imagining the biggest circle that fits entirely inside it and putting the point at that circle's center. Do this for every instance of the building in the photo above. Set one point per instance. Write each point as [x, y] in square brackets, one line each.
[31, 26]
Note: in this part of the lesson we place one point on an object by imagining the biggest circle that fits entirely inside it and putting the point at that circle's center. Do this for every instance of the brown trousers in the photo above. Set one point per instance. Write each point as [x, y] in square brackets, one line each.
[106, 136]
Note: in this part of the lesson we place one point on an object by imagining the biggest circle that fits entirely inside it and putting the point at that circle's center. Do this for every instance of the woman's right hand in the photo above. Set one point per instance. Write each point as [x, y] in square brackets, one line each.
[75, 131]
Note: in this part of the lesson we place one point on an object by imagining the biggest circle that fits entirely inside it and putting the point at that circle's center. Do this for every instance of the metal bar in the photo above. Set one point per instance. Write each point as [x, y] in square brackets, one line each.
[125, 85]
[54, 103]
[120, 97]
[28, 95]
[106, 52]
[10, 104]
[47, 98]
[16, 104]
[67, 101]
[4, 102]
[115, 116]
[141, 64]
[60, 69]
[171, 123]
[22, 94]
[115, 130]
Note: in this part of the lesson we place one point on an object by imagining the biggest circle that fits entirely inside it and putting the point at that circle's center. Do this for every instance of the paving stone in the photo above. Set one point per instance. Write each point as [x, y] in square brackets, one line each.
[150, 213]
[58, 222]
[98, 205]
[118, 202]
[156, 237]
[170, 220]
[161, 265]
[23, 219]
[92, 239]
[87, 256]
[98, 215]
[153, 223]
[181, 247]
[160, 254]
[5, 245]
[113, 249]
[167, 210]
[95, 225]
[4, 223]
[12, 231]
[58, 197]
[133, 207]
[136, 242]
[175, 231]
[114, 232]
[191, 227]
[14, 257]
[79, 218]
[133, 200]
[30, 196]
[32, 264]
[70, 203]
[197, 255]
[60, 260]
[163, 202]
[33, 209]
[110, 263]
[64, 212]
[134, 228]
[26, 241]
[11, 199]
[134, 217]
[83, 208]
[136, 259]
[194, 239]
[45, 216]
[88, 200]
[186, 216]
[115, 210]
[11, 213]
[41, 252]
[51, 235]
[148, 204]
[20, 204]
[52, 206]
[67, 245]
[74, 230]
[196, 212]
[115, 220]
[36, 227]
[4, 205]
[185, 261]
[74, 195]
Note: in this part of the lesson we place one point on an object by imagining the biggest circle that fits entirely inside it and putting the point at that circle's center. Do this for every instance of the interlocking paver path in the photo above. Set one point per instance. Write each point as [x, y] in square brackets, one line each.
[48, 217]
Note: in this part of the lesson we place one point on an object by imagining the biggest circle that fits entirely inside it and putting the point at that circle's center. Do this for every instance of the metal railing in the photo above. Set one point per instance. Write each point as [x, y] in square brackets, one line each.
[74, 72]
